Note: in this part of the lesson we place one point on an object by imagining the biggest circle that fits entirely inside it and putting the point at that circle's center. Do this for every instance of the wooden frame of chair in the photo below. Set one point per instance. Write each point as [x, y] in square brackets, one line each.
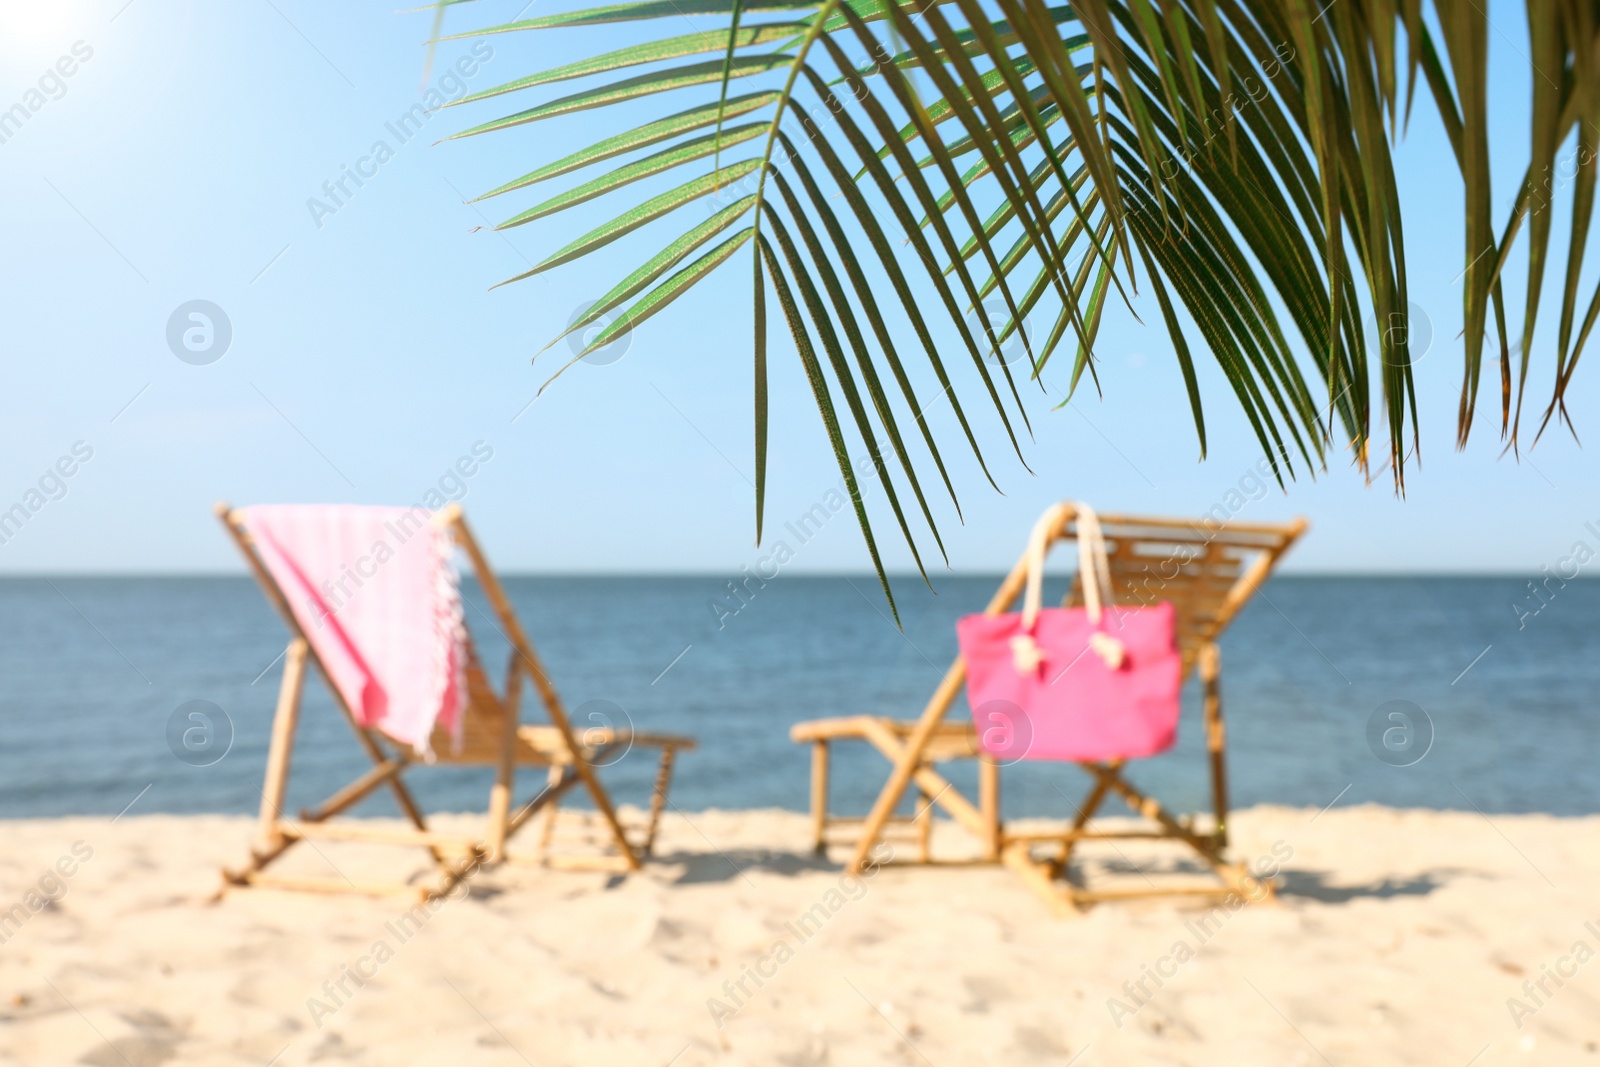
[1215, 569]
[492, 735]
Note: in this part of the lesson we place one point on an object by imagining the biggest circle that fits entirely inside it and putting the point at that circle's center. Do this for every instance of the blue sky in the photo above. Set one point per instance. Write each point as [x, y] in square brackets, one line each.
[368, 355]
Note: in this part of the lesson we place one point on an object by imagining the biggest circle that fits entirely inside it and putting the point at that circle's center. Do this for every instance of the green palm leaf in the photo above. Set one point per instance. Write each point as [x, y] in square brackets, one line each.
[916, 160]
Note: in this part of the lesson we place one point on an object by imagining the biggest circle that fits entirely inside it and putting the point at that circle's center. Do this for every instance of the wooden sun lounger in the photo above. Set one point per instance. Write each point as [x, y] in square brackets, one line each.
[1209, 571]
[493, 735]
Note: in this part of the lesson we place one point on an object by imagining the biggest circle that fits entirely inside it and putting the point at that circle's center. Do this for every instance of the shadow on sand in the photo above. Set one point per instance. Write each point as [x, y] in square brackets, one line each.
[724, 865]
[1314, 885]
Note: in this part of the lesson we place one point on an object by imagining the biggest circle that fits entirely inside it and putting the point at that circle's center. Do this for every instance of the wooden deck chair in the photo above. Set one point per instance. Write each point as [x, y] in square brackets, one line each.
[492, 735]
[1208, 570]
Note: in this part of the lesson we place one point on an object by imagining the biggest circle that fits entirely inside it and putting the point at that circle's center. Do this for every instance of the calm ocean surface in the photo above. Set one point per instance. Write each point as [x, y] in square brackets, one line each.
[92, 670]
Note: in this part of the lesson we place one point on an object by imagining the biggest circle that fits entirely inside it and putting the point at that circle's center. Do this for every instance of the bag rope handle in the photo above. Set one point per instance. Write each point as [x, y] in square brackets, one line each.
[1094, 570]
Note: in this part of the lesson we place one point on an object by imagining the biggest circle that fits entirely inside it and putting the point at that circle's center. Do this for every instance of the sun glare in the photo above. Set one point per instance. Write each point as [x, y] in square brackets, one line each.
[34, 32]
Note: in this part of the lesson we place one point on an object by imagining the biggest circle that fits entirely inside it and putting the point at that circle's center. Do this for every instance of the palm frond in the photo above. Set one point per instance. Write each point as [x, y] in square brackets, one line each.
[898, 170]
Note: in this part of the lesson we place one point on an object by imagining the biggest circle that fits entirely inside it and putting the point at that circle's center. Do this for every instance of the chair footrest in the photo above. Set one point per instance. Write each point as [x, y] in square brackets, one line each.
[308, 883]
[388, 835]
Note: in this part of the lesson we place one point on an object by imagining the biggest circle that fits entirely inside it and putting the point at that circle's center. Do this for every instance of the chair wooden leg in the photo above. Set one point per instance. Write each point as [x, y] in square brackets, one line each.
[989, 805]
[1037, 877]
[408, 805]
[1042, 875]
[924, 823]
[910, 761]
[500, 811]
[1210, 666]
[506, 773]
[1235, 875]
[819, 797]
[907, 765]
[929, 780]
[554, 708]
[1086, 810]
[658, 797]
[368, 740]
[284, 722]
[548, 830]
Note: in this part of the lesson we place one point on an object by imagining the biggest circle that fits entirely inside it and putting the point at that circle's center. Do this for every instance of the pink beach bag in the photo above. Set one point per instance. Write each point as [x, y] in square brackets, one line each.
[1098, 682]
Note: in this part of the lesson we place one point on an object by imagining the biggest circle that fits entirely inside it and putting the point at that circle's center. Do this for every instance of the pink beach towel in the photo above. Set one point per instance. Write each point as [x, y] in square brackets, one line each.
[375, 591]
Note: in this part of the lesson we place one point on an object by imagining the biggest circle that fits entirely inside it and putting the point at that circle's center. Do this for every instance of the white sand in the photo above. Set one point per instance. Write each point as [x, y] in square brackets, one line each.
[1399, 938]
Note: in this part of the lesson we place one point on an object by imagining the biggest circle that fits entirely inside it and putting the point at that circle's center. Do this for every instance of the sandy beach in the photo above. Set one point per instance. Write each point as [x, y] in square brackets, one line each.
[1400, 937]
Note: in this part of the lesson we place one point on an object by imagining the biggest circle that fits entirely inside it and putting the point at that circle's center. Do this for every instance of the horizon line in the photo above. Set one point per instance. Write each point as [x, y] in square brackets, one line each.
[895, 575]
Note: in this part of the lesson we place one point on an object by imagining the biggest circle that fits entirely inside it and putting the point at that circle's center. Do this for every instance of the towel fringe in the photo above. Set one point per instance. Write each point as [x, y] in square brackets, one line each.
[450, 632]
